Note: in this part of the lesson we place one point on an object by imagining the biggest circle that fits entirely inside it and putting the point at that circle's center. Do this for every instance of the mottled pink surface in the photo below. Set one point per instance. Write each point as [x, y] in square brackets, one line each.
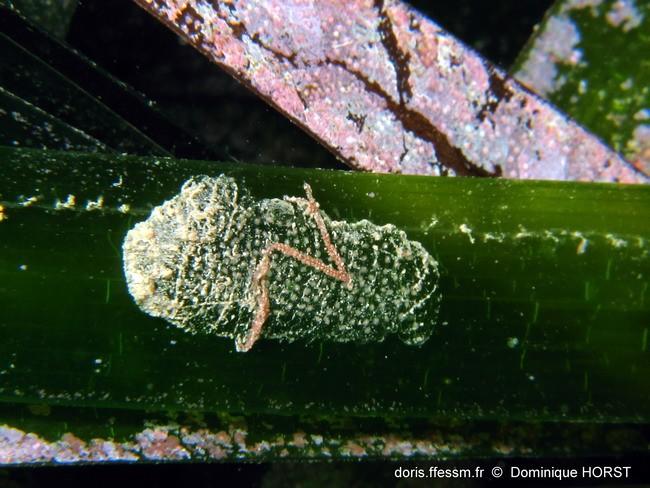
[387, 90]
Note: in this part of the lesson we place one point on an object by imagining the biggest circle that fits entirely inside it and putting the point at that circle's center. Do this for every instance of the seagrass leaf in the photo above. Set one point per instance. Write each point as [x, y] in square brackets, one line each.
[57, 79]
[538, 281]
[25, 125]
[40, 433]
[592, 60]
[544, 307]
[386, 89]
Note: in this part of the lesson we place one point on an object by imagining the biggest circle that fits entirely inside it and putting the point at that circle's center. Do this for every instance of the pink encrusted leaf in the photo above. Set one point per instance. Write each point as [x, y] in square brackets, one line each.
[387, 90]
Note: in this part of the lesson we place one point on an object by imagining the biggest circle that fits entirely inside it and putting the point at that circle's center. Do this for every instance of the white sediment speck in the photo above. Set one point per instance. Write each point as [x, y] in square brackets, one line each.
[95, 204]
[512, 342]
[69, 203]
[624, 14]
[29, 201]
[582, 243]
[643, 114]
[616, 241]
[556, 45]
[466, 230]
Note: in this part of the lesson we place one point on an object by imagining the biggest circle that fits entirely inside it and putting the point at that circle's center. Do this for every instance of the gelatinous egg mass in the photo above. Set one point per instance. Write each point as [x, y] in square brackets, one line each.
[197, 263]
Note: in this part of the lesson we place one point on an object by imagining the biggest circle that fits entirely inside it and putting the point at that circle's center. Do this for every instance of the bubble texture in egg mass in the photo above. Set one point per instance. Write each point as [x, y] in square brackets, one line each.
[192, 262]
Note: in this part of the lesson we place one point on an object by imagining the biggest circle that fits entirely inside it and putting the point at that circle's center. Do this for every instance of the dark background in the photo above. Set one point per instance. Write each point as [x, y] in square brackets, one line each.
[352, 474]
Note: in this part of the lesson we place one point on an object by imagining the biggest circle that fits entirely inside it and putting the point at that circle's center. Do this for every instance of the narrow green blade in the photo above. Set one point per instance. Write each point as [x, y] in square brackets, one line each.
[38, 83]
[544, 315]
[25, 125]
[57, 79]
